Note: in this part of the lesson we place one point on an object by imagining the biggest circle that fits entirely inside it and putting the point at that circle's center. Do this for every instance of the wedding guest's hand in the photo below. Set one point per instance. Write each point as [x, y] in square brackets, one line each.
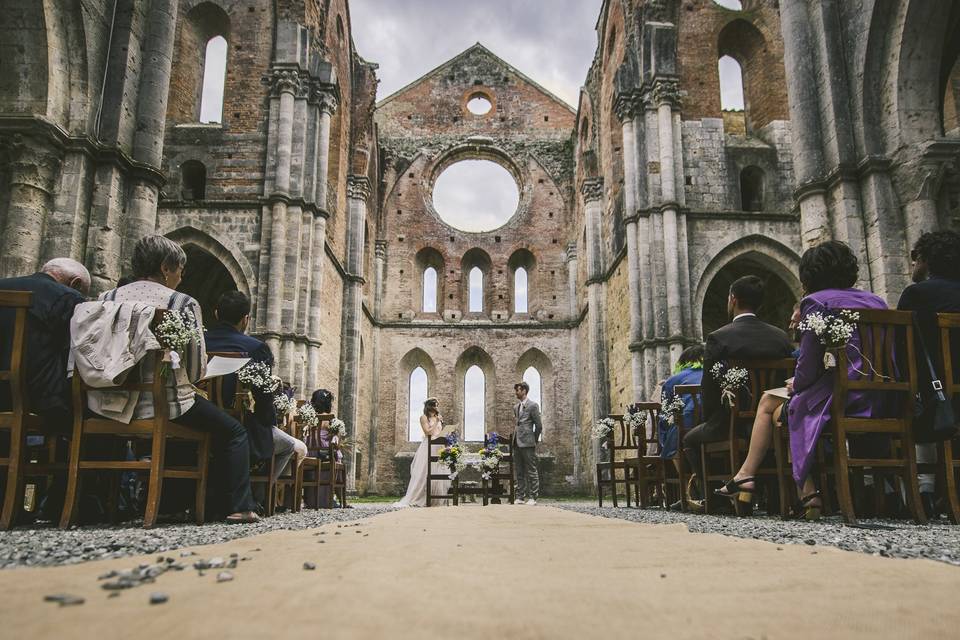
[790, 386]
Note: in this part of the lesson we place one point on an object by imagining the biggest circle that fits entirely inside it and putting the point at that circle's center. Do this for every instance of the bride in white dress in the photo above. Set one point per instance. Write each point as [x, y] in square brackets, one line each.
[432, 424]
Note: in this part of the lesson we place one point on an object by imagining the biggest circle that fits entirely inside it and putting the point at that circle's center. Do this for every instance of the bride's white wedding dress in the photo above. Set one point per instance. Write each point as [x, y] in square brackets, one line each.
[417, 489]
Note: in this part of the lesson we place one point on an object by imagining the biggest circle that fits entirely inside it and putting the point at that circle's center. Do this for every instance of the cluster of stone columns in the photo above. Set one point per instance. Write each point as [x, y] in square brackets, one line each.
[293, 235]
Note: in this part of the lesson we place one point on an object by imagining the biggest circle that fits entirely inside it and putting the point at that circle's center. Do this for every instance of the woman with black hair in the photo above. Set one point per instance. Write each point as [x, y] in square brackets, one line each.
[318, 445]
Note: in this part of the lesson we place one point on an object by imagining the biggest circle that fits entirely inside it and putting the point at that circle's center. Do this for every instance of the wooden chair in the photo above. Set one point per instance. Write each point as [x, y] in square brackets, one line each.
[623, 450]
[649, 467]
[237, 408]
[886, 339]
[762, 375]
[444, 475]
[501, 484]
[157, 431]
[290, 483]
[329, 473]
[673, 469]
[19, 421]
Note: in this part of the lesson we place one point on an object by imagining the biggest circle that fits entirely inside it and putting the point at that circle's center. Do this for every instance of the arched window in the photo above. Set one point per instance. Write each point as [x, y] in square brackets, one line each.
[476, 291]
[751, 189]
[418, 395]
[520, 290]
[214, 77]
[532, 377]
[474, 398]
[731, 84]
[733, 5]
[429, 290]
[193, 180]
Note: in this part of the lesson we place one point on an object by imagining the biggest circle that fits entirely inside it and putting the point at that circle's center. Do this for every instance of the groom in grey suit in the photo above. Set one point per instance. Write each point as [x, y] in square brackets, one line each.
[529, 428]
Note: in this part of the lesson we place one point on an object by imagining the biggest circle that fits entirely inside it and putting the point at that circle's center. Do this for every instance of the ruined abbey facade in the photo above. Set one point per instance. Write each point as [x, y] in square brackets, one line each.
[637, 206]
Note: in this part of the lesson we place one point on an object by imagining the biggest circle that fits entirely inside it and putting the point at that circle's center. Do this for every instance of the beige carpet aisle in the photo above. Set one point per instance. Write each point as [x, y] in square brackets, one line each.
[501, 572]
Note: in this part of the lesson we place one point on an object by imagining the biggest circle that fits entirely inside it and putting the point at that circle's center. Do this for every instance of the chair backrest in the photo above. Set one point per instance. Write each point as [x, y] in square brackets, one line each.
[505, 445]
[621, 439]
[884, 343]
[650, 435]
[19, 302]
[761, 375]
[215, 388]
[694, 391]
[949, 325]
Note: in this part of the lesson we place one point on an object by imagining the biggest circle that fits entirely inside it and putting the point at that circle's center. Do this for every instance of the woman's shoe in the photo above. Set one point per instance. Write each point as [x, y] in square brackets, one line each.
[243, 517]
[805, 510]
[735, 490]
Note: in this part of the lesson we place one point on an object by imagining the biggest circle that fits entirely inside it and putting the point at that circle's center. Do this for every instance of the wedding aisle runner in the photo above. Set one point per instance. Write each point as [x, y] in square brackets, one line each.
[546, 573]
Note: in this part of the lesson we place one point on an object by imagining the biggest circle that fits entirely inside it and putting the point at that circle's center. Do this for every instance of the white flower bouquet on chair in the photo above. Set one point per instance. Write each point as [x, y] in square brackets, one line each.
[731, 381]
[671, 407]
[603, 431]
[636, 421]
[175, 332]
[833, 329]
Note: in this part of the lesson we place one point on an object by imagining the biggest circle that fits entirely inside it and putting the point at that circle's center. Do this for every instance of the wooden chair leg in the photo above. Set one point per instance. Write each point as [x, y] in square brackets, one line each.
[911, 480]
[13, 495]
[949, 484]
[271, 487]
[70, 504]
[155, 481]
[844, 496]
[704, 485]
[599, 489]
[203, 466]
[297, 497]
[783, 475]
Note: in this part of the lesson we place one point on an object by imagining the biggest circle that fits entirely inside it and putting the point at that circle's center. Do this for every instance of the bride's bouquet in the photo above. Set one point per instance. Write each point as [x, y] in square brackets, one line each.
[451, 455]
[731, 381]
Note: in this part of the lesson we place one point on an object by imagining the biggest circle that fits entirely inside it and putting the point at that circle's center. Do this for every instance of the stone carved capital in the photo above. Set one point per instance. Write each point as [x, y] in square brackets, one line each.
[629, 105]
[666, 91]
[285, 80]
[592, 189]
[358, 187]
[571, 251]
[324, 99]
[380, 249]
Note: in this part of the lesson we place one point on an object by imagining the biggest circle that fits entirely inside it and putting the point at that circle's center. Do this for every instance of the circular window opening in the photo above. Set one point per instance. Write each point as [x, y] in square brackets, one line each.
[479, 104]
[475, 195]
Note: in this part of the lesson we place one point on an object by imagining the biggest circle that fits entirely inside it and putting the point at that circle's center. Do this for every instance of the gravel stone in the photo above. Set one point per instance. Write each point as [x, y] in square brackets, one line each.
[158, 597]
[938, 541]
[309, 566]
[224, 576]
[65, 599]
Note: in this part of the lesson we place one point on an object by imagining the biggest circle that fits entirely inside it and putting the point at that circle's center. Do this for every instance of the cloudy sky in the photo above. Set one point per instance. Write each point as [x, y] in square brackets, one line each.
[551, 41]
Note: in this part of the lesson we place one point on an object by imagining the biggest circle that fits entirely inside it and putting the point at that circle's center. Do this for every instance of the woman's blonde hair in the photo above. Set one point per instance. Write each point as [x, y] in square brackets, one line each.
[431, 405]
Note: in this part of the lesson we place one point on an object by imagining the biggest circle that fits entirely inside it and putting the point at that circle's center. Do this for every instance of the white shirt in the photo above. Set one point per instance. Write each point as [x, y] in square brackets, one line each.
[743, 315]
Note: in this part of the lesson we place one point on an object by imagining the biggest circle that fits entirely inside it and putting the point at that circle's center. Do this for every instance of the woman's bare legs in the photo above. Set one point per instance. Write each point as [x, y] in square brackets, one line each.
[761, 437]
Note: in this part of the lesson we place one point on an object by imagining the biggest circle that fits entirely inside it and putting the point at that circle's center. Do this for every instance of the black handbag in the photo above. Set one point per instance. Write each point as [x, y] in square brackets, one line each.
[944, 422]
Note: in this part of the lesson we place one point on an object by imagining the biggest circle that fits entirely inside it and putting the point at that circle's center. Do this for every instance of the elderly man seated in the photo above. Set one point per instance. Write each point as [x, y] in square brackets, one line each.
[228, 335]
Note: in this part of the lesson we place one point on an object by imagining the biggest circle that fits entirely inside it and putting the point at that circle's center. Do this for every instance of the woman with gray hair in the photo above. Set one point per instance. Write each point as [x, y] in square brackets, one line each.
[158, 264]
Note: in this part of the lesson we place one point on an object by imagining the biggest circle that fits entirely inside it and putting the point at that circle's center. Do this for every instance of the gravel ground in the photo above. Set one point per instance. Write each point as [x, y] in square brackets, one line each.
[52, 546]
[888, 538]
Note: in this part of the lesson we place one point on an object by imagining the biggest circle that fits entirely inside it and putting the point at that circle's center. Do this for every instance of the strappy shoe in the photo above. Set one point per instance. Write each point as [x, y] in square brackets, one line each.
[735, 490]
[804, 510]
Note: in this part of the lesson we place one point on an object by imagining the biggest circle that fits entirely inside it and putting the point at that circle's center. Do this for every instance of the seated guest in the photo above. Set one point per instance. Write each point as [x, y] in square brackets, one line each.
[936, 274]
[828, 273]
[158, 264]
[745, 338]
[57, 288]
[689, 370]
[319, 441]
[228, 335]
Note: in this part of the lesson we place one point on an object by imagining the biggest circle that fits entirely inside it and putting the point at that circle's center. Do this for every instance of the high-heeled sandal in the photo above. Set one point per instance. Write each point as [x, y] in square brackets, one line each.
[735, 490]
[803, 510]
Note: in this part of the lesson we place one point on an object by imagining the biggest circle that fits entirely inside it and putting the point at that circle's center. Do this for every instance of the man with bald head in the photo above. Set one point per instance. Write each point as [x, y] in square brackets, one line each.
[57, 288]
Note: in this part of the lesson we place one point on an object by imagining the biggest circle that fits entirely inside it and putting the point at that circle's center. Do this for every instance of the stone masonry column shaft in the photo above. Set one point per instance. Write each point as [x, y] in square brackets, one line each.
[592, 191]
[666, 95]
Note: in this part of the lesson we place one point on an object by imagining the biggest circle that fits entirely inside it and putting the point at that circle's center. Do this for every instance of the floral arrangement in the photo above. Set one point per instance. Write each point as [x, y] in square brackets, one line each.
[636, 421]
[670, 407]
[731, 380]
[337, 429]
[833, 329]
[175, 332]
[307, 416]
[257, 376]
[283, 404]
[490, 456]
[603, 430]
[451, 455]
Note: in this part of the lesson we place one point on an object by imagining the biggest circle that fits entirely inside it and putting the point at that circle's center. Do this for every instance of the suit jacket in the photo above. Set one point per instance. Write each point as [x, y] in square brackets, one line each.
[529, 424]
[225, 338]
[926, 299]
[48, 340]
[746, 338]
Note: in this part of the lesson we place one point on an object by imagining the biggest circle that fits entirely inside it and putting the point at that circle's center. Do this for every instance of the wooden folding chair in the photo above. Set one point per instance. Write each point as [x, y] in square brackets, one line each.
[762, 375]
[886, 340]
[290, 483]
[453, 492]
[329, 473]
[19, 421]
[673, 468]
[649, 466]
[157, 430]
[501, 484]
[237, 408]
[623, 449]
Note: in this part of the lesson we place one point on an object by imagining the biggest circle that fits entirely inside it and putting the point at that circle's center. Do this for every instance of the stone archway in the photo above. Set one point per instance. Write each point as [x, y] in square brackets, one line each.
[205, 278]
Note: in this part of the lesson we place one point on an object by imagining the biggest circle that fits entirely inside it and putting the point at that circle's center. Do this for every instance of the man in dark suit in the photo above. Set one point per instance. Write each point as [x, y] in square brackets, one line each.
[57, 288]
[936, 289]
[745, 338]
[228, 335]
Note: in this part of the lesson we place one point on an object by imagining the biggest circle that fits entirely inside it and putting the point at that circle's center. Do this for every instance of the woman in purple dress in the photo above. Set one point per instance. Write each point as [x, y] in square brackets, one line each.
[828, 273]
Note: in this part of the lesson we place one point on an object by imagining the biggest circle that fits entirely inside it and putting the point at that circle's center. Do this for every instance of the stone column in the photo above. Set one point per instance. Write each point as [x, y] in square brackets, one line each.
[358, 191]
[592, 190]
[141, 215]
[648, 243]
[666, 95]
[33, 169]
[626, 112]
[802, 98]
[286, 83]
[574, 312]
